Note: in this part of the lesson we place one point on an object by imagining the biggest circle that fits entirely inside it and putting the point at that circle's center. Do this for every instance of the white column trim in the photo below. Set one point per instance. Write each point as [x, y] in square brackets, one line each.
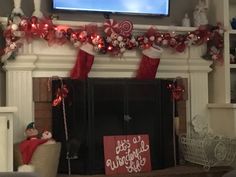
[19, 91]
[37, 9]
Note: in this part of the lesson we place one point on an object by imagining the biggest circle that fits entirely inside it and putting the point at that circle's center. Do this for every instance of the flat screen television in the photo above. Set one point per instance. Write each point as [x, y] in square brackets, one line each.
[130, 7]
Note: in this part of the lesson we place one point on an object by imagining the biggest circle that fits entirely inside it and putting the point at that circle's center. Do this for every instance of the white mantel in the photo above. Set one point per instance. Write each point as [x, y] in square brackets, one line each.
[39, 60]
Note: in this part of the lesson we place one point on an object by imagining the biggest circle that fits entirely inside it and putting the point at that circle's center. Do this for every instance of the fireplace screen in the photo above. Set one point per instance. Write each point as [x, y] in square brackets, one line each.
[108, 107]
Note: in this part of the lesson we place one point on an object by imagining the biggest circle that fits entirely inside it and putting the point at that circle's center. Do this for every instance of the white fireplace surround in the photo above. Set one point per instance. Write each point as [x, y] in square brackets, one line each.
[37, 59]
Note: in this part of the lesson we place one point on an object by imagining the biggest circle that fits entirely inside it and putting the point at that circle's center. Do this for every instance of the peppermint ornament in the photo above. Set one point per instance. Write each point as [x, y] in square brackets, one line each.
[24, 24]
[115, 43]
[126, 28]
[114, 36]
[165, 42]
[111, 26]
[152, 38]
[34, 20]
[14, 27]
[13, 46]
[120, 38]
[172, 42]
[159, 40]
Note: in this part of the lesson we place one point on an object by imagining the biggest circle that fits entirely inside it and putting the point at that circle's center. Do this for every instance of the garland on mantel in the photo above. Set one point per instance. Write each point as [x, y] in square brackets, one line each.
[115, 39]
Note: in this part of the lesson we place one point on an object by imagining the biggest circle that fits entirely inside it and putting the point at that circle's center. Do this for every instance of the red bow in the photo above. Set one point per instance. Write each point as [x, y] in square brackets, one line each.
[61, 94]
[177, 91]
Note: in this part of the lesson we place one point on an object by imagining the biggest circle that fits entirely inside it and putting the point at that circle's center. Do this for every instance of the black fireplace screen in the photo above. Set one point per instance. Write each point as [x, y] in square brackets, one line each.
[100, 107]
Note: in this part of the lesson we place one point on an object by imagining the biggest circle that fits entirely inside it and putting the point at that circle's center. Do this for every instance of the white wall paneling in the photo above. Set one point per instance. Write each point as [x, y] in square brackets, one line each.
[6, 138]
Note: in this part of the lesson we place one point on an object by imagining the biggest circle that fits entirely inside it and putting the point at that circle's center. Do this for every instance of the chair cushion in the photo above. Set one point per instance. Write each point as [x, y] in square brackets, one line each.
[45, 159]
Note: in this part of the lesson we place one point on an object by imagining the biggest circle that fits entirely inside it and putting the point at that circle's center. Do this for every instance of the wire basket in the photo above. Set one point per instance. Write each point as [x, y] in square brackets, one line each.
[208, 151]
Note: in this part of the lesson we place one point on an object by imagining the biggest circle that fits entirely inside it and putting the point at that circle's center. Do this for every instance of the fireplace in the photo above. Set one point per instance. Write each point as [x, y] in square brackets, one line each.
[103, 107]
[36, 60]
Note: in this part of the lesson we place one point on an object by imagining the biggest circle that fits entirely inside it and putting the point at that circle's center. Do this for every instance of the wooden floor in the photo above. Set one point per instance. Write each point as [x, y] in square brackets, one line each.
[178, 171]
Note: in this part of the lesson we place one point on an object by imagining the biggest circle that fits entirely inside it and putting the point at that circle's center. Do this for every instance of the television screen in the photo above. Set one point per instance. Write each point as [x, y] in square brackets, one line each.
[137, 7]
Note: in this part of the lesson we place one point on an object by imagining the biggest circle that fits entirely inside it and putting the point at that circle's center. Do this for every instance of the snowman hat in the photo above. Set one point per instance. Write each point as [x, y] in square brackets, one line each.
[31, 125]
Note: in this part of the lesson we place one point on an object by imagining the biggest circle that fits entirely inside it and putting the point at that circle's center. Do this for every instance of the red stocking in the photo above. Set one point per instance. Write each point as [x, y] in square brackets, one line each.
[83, 63]
[149, 63]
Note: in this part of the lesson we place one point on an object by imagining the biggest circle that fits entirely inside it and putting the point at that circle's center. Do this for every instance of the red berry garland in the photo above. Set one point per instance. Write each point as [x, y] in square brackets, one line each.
[118, 37]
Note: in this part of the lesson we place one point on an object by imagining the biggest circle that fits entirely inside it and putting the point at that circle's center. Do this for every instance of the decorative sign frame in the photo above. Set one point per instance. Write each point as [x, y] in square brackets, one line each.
[126, 154]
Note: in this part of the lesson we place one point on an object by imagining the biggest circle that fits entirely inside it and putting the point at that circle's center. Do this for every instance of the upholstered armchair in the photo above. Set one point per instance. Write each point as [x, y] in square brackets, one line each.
[44, 159]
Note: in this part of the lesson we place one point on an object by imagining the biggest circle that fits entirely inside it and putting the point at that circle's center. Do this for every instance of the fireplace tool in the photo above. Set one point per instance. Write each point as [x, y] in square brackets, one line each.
[62, 92]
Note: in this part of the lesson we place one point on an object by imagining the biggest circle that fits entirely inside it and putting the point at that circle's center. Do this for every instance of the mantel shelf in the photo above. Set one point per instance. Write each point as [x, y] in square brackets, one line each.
[233, 31]
[221, 106]
[137, 27]
[232, 65]
[8, 109]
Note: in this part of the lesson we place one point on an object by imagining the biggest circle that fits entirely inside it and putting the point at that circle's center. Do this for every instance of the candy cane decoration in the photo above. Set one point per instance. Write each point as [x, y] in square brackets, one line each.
[62, 100]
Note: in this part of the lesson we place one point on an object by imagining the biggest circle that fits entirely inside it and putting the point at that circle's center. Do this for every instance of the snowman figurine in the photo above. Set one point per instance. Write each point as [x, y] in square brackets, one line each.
[200, 14]
[47, 135]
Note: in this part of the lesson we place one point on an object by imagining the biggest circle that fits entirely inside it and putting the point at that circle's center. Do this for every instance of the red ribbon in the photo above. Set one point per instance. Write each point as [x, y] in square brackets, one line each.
[61, 94]
[177, 91]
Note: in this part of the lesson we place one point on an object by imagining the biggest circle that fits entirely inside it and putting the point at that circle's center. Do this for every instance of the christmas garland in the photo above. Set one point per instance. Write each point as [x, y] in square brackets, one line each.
[115, 39]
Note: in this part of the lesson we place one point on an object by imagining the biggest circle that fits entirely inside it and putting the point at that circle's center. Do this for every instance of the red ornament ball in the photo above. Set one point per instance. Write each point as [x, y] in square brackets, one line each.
[34, 19]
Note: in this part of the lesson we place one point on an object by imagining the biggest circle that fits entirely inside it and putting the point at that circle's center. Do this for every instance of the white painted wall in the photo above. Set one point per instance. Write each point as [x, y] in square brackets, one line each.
[177, 8]
[2, 88]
